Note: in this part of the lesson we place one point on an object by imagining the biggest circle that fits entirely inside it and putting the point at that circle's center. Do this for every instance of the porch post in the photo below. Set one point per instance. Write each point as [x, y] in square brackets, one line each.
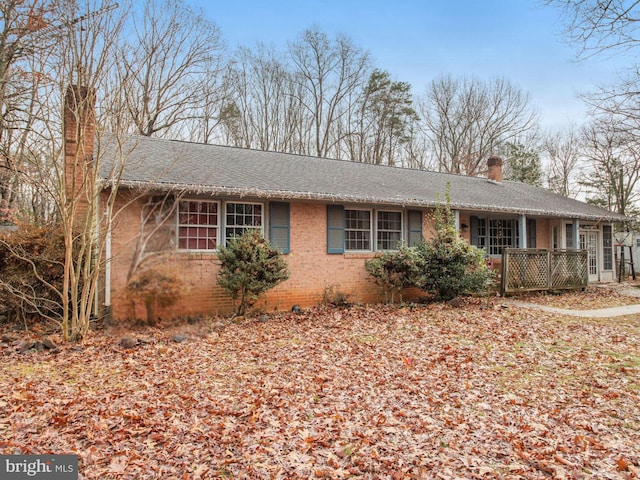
[523, 231]
[456, 215]
[576, 234]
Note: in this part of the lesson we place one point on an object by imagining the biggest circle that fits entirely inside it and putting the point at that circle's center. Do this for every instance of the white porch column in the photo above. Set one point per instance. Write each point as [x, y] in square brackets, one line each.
[456, 215]
[523, 231]
[576, 234]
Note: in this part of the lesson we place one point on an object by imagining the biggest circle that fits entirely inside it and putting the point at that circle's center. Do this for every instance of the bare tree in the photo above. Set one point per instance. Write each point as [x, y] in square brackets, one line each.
[169, 68]
[600, 25]
[609, 27]
[564, 151]
[613, 172]
[329, 72]
[85, 58]
[264, 106]
[25, 44]
[61, 168]
[467, 120]
[209, 115]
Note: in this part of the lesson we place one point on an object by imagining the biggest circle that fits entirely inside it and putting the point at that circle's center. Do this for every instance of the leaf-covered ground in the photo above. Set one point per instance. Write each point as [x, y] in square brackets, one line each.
[481, 391]
[603, 296]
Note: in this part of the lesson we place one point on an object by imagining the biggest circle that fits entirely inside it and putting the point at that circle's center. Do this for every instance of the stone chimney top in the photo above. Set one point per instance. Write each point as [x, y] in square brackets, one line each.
[494, 165]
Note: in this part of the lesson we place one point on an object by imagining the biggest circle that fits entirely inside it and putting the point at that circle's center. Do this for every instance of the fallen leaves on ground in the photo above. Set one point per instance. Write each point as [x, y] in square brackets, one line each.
[594, 297]
[481, 391]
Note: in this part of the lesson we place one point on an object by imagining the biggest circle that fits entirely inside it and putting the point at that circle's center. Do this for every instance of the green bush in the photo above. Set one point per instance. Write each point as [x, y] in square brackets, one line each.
[450, 265]
[395, 271]
[250, 267]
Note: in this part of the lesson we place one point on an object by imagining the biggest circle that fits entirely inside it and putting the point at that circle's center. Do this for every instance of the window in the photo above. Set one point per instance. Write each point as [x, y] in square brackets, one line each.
[197, 225]
[367, 230]
[241, 217]
[569, 235]
[389, 231]
[357, 230]
[501, 235]
[607, 247]
[531, 233]
[495, 234]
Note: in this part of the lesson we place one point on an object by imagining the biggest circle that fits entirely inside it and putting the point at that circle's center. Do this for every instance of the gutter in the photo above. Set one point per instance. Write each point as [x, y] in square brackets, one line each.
[333, 198]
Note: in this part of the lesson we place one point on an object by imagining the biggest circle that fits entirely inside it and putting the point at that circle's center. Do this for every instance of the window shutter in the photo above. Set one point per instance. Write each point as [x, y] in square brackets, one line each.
[279, 231]
[335, 229]
[415, 227]
[531, 233]
[473, 221]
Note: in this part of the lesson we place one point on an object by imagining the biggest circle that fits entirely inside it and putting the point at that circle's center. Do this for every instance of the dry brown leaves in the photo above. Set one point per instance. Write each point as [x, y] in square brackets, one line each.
[593, 297]
[482, 391]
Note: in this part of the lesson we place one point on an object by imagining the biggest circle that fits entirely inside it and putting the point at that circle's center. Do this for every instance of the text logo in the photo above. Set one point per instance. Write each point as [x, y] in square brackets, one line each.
[39, 467]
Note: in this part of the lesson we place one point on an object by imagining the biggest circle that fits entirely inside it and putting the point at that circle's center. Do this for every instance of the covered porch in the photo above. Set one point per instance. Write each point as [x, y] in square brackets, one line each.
[495, 232]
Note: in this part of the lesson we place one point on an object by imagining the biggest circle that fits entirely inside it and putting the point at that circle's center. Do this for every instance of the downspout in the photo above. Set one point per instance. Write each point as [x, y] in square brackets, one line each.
[107, 267]
[95, 261]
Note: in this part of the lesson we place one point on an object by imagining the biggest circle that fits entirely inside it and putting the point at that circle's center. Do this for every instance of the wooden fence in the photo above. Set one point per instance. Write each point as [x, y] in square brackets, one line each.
[529, 269]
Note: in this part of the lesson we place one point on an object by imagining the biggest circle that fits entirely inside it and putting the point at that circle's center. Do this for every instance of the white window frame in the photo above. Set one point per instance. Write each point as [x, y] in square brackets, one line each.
[347, 230]
[197, 225]
[243, 227]
[401, 240]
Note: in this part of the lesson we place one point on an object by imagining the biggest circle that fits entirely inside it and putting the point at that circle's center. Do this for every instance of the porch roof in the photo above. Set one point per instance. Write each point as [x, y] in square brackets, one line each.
[166, 165]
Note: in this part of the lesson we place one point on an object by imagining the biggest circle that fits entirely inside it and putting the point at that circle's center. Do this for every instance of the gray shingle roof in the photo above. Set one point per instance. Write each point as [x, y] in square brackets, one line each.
[213, 169]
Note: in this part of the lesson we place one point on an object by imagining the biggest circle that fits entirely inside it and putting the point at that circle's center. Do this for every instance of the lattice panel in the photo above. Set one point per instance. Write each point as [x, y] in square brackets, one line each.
[569, 270]
[527, 270]
[543, 269]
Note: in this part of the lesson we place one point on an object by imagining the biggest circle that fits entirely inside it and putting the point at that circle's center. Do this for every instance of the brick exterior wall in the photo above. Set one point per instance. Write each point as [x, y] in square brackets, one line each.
[312, 269]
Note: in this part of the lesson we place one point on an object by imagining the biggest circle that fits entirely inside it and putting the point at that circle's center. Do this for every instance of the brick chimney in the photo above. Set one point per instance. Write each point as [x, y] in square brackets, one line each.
[494, 165]
[79, 138]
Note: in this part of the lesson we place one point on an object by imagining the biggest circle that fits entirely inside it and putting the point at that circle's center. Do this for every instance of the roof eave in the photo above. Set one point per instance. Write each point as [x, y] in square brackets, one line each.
[355, 199]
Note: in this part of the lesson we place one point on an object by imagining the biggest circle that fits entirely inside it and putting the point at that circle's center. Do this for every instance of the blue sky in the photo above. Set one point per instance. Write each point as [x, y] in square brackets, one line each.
[419, 40]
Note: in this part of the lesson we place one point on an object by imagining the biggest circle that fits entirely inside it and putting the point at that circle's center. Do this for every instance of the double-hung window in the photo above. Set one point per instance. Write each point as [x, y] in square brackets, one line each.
[240, 217]
[201, 226]
[389, 231]
[357, 230]
[364, 230]
[198, 225]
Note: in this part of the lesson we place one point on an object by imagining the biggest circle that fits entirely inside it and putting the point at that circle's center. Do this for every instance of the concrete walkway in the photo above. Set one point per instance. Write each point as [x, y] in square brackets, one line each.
[599, 313]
